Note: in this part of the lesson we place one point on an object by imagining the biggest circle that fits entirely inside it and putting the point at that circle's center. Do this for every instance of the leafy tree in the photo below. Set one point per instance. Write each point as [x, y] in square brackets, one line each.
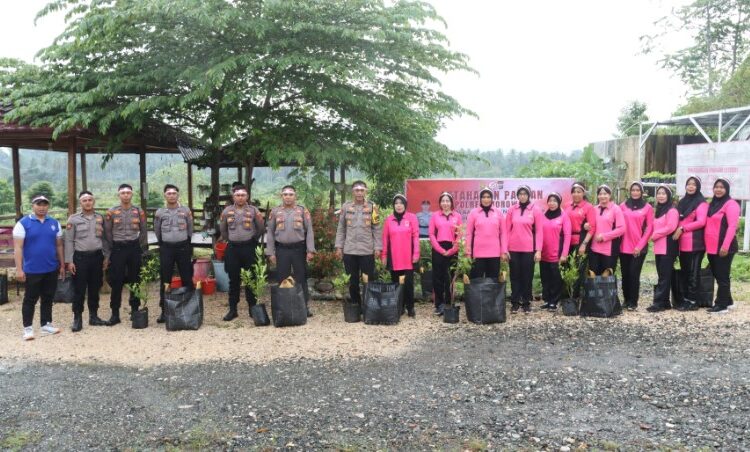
[720, 32]
[41, 187]
[318, 82]
[7, 200]
[154, 200]
[631, 115]
[589, 169]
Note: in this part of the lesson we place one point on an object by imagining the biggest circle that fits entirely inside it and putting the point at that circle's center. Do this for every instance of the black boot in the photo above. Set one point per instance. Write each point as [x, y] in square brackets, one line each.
[162, 318]
[688, 305]
[410, 312]
[94, 320]
[77, 323]
[231, 314]
[115, 319]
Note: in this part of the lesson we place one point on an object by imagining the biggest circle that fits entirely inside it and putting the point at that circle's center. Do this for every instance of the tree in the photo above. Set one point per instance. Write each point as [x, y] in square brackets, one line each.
[7, 200]
[317, 82]
[589, 169]
[720, 32]
[41, 187]
[631, 115]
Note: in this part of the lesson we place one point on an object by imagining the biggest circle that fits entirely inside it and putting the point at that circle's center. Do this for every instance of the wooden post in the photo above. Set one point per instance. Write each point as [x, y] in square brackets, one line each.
[84, 182]
[343, 184]
[17, 181]
[190, 186]
[248, 174]
[72, 176]
[142, 167]
[239, 173]
[332, 191]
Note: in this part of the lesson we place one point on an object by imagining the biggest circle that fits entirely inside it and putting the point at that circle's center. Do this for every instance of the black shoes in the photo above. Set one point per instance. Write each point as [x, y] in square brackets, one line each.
[688, 306]
[162, 318]
[231, 315]
[526, 308]
[656, 308]
[77, 323]
[514, 308]
[94, 320]
[309, 313]
[114, 320]
[410, 312]
[440, 310]
[549, 307]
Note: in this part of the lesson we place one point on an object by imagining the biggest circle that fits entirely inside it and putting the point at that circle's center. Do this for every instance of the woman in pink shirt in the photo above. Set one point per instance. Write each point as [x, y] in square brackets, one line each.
[666, 218]
[692, 209]
[556, 231]
[581, 214]
[401, 247]
[609, 227]
[721, 242]
[486, 240]
[524, 222]
[639, 224]
[444, 235]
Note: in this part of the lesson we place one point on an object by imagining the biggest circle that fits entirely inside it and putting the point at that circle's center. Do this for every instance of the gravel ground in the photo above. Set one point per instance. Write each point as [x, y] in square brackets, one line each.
[667, 381]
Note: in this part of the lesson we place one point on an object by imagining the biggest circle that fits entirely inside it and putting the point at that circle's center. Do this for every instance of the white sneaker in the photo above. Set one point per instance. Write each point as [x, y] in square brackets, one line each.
[49, 329]
[28, 333]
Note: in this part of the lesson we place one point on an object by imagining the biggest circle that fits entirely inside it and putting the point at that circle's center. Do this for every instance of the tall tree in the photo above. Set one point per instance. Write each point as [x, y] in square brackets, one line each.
[720, 34]
[631, 115]
[311, 81]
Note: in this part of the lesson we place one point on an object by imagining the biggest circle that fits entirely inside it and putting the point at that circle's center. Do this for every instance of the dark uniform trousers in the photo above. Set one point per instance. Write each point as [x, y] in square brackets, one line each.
[442, 275]
[239, 255]
[721, 267]
[600, 262]
[664, 268]
[690, 272]
[171, 253]
[39, 285]
[125, 267]
[356, 265]
[521, 277]
[552, 283]
[88, 278]
[631, 267]
[485, 267]
[408, 290]
[292, 259]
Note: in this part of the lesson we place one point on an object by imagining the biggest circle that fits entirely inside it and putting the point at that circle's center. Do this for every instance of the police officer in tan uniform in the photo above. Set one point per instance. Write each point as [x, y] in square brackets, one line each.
[125, 235]
[84, 259]
[359, 238]
[173, 226]
[241, 224]
[290, 243]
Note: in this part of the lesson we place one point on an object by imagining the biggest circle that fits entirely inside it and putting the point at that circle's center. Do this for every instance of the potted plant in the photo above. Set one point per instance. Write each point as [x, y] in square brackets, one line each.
[256, 279]
[460, 268]
[352, 311]
[425, 268]
[570, 273]
[149, 273]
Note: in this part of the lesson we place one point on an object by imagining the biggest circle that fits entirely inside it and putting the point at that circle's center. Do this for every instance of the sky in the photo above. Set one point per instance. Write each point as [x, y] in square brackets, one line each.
[553, 75]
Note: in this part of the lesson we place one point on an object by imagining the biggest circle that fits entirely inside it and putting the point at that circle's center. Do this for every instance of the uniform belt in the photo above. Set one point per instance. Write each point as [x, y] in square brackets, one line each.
[176, 244]
[126, 243]
[291, 246]
[87, 253]
[244, 243]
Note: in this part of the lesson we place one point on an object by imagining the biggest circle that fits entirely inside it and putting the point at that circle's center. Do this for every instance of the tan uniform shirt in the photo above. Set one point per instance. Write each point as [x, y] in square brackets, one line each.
[173, 225]
[288, 226]
[360, 229]
[240, 224]
[125, 225]
[84, 233]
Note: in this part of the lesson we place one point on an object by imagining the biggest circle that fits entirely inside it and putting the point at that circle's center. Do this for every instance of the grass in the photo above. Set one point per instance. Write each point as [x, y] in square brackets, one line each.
[475, 445]
[16, 441]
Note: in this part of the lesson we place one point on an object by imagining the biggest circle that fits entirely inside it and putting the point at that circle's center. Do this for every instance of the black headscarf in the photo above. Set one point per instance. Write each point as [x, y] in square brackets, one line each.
[524, 205]
[717, 203]
[486, 208]
[689, 203]
[635, 204]
[550, 214]
[663, 208]
[396, 215]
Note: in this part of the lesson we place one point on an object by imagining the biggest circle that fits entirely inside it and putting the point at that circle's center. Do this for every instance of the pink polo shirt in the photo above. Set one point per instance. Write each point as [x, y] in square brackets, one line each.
[524, 231]
[664, 227]
[579, 214]
[692, 225]
[401, 240]
[610, 224]
[485, 234]
[639, 225]
[445, 229]
[556, 237]
[720, 234]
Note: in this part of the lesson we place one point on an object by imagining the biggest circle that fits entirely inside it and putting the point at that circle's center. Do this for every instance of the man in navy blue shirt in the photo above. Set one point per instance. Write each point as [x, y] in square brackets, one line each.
[38, 251]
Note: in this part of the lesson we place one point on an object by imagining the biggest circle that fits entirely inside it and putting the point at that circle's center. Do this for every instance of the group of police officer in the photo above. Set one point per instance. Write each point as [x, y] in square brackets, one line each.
[115, 242]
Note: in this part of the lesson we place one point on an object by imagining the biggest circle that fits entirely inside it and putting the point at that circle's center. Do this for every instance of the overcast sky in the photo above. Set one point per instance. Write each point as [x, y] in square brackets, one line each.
[553, 75]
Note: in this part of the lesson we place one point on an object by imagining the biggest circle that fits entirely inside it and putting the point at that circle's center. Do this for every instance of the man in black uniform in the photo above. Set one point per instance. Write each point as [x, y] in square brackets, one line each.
[173, 226]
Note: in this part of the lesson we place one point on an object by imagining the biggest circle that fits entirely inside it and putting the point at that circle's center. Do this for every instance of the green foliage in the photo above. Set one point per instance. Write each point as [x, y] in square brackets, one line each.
[499, 163]
[325, 222]
[149, 273]
[461, 267]
[381, 271]
[425, 256]
[256, 278]
[341, 282]
[589, 169]
[324, 264]
[741, 267]
[155, 200]
[570, 272]
[631, 115]
[720, 33]
[41, 187]
[7, 200]
[318, 82]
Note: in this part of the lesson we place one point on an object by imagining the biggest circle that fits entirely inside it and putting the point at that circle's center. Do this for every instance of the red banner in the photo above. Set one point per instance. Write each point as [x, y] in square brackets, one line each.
[465, 192]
